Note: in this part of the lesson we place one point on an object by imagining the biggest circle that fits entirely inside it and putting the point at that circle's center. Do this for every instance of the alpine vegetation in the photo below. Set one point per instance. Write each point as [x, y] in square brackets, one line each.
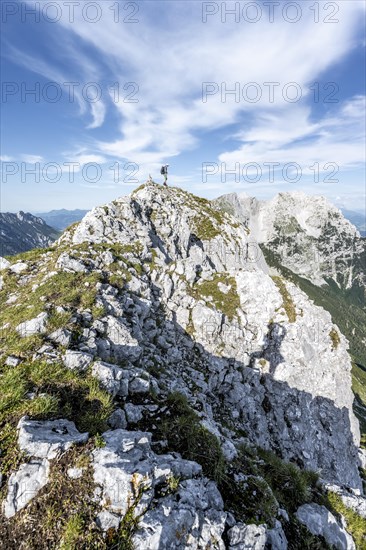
[163, 385]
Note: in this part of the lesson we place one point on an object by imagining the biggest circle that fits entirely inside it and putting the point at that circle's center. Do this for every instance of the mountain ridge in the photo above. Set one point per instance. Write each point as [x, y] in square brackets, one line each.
[23, 231]
[156, 310]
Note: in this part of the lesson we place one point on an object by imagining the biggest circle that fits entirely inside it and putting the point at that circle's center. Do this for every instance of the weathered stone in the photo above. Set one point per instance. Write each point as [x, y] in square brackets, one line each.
[45, 439]
[123, 345]
[75, 473]
[105, 520]
[276, 537]
[34, 326]
[12, 361]
[182, 523]
[127, 462]
[112, 378]
[139, 385]
[65, 263]
[247, 537]
[61, 336]
[320, 521]
[133, 412]
[19, 267]
[76, 360]
[118, 419]
[4, 264]
[24, 485]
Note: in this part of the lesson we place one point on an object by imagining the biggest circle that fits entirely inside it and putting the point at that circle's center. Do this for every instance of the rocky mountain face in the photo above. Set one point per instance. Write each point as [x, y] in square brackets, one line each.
[61, 219]
[161, 389]
[309, 242]
[21, 232]
[310, 236]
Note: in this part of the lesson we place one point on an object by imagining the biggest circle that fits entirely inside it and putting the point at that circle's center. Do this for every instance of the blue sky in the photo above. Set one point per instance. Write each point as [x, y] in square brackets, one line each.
[149, 81]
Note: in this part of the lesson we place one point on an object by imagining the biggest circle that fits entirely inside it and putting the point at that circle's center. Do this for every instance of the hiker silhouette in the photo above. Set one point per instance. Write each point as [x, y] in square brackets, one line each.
[164, 172]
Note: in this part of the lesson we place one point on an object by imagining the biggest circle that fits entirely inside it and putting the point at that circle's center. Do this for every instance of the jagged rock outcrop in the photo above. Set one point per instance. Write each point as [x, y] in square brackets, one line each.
[157, 296]
[291, 366]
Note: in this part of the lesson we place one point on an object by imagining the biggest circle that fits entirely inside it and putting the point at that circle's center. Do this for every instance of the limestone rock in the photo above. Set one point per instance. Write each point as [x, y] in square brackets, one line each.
[45, 439]
[105, 520]
[188, 519]
[320, 521]
[4, 263]
[139, 385]
[65, 263]
[76, 360]
[118, 419]
[75, 473]
[24, 485]
[112, 378]
[18, 268]
[12, 361]
[247, 537]
[34, 326]
[127, 463]
[134, 413]
[122, 344]
[61, 336]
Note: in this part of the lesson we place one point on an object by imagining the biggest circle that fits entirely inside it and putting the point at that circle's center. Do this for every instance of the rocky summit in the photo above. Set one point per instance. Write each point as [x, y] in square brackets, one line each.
[164, 387]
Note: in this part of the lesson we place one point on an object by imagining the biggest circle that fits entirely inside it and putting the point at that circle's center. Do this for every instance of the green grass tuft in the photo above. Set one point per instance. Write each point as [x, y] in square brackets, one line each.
[228, 302]
[288, 303]
[356, 525]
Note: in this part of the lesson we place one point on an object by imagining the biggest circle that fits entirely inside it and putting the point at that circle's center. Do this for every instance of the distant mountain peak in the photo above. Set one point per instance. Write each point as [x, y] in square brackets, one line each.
[23, 231]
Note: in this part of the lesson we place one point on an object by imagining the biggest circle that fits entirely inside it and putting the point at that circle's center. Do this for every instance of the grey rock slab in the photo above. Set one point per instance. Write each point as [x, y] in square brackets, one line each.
[4, 264]
[247, 537]
[134, 413]
[61, 336]
[118, 419]
[185, 521]
[18, 267]
[139, 385]
[12, 361]
[75, 473]
[65, 263]
[25, 484]
[356, 503]
[112, 378]
[321, 521]
[106, 520]
[34, 326]
[77, 360]
[127, 462]
[123, 345]
[45, 439]
[277, 538]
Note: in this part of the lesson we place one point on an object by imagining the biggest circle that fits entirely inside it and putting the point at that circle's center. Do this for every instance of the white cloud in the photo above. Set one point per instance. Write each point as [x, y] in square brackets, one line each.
[338, 139]
[170, 61]
[69, 86]
[98, 111]
[32, 159]
[84, 158]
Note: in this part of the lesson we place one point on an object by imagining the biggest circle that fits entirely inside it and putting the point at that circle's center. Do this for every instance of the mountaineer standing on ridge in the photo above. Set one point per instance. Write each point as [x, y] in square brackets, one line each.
[164, 172]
